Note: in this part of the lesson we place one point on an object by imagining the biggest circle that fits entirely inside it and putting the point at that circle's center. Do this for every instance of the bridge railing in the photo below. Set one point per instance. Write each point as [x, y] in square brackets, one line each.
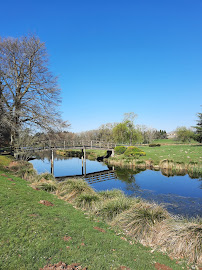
[63, 144]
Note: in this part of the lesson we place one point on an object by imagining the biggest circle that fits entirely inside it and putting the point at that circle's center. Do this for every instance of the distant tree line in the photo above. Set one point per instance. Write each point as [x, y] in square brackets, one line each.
[125, 132]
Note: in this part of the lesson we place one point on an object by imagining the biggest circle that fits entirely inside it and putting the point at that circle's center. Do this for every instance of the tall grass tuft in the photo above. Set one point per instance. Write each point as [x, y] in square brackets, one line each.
[113, 207]
[46, 176]
[140, 219]
[111, 194]
[87, 201]
[179, 239]
[45, 181]
[72, 188]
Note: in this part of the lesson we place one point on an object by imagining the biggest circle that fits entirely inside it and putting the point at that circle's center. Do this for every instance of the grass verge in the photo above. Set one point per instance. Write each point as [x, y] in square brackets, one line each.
[33, 234]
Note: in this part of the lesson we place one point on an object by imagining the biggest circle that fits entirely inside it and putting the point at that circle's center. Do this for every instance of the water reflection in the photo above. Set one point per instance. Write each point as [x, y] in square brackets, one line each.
[181, 194]
[128, 176]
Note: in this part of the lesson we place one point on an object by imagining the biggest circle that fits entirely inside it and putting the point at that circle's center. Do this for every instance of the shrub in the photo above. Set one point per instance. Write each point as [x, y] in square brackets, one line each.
[120, 149]
[154, 145]
[133, 151]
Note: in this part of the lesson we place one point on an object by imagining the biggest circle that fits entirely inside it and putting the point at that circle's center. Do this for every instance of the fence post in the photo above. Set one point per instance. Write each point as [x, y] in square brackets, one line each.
[84, 149]
[52, 163]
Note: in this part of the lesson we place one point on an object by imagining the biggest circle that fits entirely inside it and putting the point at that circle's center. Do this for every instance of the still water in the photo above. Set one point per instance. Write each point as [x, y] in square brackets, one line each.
[181, 195]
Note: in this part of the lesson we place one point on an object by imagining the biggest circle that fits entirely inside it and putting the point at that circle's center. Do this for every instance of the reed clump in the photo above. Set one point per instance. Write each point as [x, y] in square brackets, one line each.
[88, 201]
[24, 170]
[178, 239]
[111, 194]
[113, 207]
[69, 190]
[44, 181]
[139, 220]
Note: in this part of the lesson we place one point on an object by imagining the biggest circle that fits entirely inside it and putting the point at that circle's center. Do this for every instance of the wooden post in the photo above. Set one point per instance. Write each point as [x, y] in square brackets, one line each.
[52, 163]
[64, 144]
[84, 161]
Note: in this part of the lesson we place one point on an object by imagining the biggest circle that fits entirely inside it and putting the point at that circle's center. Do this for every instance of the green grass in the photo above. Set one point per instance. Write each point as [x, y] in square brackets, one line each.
[32, 234]
[5, 160]
[172, 141]
[177, 153]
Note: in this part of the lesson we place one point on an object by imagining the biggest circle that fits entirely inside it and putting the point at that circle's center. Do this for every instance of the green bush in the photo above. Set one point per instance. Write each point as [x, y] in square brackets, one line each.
[133, 151]
[119, 149]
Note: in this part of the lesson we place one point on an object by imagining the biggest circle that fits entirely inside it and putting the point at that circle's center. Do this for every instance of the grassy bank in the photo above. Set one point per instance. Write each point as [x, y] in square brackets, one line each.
[171, 159]
[34, 234]
[173, 141]
[177, 153]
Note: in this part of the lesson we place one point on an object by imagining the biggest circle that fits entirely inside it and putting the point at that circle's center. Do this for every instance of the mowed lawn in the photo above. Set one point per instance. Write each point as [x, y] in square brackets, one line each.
[33, 235]
[177, 153]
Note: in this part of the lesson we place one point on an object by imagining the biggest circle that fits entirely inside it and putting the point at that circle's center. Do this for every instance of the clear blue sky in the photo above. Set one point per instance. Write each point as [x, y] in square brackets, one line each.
[115, 56]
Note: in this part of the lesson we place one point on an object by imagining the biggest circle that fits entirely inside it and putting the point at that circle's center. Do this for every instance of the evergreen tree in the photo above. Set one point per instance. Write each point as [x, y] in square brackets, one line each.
[198, 128]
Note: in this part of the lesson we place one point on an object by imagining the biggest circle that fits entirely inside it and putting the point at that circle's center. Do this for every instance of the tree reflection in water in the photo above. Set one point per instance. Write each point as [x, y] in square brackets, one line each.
[128, 176]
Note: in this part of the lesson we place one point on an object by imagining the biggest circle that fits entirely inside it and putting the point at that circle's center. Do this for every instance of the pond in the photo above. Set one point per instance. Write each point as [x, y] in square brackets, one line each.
[180, 195]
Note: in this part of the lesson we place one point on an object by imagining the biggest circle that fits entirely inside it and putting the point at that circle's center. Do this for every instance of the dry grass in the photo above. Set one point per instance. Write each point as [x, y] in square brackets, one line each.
[139, 220]
[111, 194]
[178, 239]
[88, 201]
[72, 188]
[113, 207]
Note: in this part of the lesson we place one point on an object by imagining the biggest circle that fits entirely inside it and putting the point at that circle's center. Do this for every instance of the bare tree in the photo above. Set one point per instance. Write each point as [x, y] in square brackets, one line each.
[29, 91]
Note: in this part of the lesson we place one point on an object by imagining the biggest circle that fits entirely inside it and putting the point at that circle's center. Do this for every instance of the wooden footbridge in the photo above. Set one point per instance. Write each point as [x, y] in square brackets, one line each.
[63, 144]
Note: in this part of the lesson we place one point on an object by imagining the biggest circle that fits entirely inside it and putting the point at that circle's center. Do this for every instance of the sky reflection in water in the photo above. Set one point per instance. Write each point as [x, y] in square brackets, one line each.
[180, 194]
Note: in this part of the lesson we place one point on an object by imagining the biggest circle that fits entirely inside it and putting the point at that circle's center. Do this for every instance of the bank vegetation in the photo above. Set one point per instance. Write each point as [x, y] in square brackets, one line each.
[147, 223]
